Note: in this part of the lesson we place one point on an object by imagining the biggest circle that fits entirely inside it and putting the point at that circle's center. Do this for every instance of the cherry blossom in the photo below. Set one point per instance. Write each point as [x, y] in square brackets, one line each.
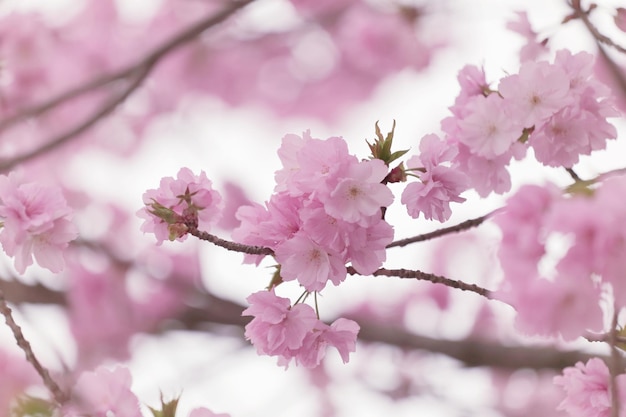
[105, 391]
[587, 392]
[35, 223]
[205, 412]
[276, 326]
[309, 263]
[186, 198]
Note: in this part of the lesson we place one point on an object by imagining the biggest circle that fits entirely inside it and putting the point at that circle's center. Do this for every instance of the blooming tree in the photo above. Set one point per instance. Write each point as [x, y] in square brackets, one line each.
[363, 266]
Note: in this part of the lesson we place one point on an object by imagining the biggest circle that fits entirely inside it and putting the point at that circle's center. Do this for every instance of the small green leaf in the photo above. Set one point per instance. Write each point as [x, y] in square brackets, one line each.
[28, 406]
[397, 154]
[581, 188]
[166, 214]
[381, 148]
[276, 279]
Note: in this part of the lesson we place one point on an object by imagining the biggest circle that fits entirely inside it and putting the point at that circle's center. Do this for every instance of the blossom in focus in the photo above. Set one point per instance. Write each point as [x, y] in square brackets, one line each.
[276, 325]
[188, 198]
[295, 332]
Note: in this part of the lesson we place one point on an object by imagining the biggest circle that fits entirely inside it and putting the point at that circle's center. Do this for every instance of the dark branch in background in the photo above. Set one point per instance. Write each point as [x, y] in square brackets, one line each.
[59, 396]
[215, 314]
[425, 276]
[136, 72]
[474, 352]
[108, 107]
[467, 224]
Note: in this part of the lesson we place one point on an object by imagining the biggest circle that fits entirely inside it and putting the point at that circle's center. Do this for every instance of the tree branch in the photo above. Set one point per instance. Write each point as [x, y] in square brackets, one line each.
[425, 276]
[467, 224]
[137, 73]
[583, 15]
[227, 244]
[212, 313]
[59, 395]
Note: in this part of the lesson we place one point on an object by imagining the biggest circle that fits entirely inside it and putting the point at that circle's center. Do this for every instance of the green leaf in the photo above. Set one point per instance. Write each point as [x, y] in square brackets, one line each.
[381, 148]
[28, 406]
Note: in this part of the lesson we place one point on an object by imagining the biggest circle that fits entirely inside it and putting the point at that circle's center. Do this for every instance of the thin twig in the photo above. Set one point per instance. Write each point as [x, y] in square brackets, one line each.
[229, 245]
[59, 395]
[425, 276]
[467, 224]
[573, 174]
[108, 107]
[615, 366]
[583, 15]
[138, 71]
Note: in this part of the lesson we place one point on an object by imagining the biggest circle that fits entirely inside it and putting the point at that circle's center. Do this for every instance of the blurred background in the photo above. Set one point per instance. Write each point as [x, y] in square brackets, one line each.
[222, 104]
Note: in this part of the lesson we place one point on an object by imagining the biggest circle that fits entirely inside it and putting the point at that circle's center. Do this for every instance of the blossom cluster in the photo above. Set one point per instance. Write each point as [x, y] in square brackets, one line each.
[325, 212]
[542, 226]
[178, 202]
[587, 390]
[278, 329]
[557, 109]
[36, 222]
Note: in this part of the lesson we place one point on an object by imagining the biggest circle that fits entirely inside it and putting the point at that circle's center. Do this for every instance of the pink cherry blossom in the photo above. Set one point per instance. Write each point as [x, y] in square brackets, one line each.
[17, 376]
[523, 233]
[533, 49]
[312, 166]
[587, 390]
[276, 326]
[179, 200]
[486, 175]
[35, 223]
[360, 193]
[268, 226]
[104, 392]
[341, 334]
[433, 151]
[431, 197]
[536, 93]
[367, 248]
[491, 128]
[205, 412]
[309, 263]
[569, 306]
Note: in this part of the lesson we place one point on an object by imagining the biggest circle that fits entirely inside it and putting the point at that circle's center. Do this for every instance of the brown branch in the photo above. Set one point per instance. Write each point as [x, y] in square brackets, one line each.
[20, 293]
[227, 244]
[615, 365]
[59, 396]
[583, 15]
[475, 352]
[573, 174]
[215, 314]
[425, 276]
[467, 224]
[137, 72]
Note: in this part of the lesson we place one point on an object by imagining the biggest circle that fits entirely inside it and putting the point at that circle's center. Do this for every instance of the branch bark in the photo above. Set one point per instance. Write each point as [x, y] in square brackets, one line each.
[216, 314]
